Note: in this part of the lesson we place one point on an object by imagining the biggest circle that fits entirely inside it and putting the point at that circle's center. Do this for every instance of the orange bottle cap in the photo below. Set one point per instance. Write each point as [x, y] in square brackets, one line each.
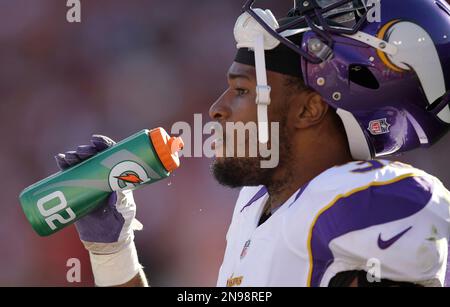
[166, 148]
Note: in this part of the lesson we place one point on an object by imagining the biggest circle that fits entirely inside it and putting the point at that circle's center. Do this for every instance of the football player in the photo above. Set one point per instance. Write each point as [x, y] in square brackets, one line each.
[347, 90]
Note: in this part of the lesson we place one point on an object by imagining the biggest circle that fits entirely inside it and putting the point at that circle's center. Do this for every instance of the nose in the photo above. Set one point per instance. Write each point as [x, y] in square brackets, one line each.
[220, 109]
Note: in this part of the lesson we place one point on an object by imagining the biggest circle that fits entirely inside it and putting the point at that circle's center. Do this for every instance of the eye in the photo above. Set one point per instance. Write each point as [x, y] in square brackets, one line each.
[241, 92]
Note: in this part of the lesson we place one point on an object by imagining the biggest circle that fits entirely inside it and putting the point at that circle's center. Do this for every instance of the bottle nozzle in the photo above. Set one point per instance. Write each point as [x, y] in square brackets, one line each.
[167, 148]
[176, 144]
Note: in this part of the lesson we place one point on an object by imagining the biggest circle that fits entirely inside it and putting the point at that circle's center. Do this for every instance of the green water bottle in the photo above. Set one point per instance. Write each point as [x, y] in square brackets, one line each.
[60, 200]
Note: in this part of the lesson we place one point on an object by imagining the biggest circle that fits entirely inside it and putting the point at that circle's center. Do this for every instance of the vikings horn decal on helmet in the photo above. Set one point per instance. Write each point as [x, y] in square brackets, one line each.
[391, 74]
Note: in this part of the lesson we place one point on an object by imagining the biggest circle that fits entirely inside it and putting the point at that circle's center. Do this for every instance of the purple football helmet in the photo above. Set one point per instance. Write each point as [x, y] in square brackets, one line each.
[384, 65]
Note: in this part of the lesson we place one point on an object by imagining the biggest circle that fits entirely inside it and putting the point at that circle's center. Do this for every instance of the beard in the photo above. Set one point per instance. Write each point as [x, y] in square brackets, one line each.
[239, 172]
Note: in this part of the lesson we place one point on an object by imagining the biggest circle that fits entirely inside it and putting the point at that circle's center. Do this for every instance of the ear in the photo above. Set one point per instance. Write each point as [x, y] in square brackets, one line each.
[307, 109]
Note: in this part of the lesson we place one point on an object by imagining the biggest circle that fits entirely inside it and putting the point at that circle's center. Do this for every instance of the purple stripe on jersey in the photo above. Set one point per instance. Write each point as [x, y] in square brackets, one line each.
[375, 205]
[261, 193]
[300, 193]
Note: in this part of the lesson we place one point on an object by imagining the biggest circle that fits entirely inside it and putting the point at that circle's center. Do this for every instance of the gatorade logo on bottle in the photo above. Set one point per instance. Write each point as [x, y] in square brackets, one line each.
[127, 175]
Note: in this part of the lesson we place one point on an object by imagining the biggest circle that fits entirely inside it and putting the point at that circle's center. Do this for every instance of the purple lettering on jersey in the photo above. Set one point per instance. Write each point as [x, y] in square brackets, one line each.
[447, 276]
[375, 205]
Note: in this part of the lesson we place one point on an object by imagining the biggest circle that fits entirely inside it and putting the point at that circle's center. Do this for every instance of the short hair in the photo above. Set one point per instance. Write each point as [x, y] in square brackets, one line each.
[296, 84]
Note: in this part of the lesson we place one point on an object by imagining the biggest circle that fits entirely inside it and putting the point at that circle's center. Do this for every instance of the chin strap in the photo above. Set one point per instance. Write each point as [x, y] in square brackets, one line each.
[262, 90]
[250, 34]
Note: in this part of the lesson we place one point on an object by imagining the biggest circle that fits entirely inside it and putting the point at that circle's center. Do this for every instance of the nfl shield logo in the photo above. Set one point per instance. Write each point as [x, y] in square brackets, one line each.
[379, 126]
[244, 250]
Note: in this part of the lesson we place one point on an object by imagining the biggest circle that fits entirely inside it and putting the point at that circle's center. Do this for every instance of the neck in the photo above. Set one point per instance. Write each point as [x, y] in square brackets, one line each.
[290, 177]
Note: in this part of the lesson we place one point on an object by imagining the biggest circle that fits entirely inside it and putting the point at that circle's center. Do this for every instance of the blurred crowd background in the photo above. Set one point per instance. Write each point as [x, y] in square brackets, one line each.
[127, 66]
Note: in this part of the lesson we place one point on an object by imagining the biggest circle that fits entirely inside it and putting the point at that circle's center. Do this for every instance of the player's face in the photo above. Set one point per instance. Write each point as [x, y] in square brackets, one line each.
[238, 104]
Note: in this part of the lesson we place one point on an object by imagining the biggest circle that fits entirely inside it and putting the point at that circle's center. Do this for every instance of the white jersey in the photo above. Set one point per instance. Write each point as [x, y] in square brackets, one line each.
[384, 217]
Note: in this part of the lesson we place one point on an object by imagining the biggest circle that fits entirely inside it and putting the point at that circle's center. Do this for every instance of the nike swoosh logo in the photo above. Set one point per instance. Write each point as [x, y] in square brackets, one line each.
[382, 244]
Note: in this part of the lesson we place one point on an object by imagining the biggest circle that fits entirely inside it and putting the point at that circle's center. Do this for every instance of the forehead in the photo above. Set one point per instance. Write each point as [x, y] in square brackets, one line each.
[242, 70]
